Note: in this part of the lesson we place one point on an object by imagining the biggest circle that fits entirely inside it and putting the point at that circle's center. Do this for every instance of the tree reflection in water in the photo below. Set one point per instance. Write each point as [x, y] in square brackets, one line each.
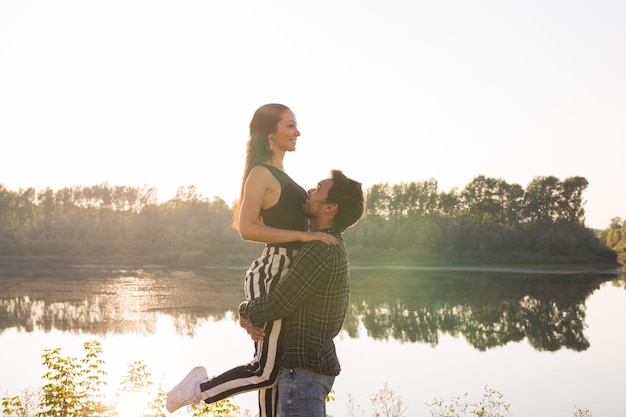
[488, 309]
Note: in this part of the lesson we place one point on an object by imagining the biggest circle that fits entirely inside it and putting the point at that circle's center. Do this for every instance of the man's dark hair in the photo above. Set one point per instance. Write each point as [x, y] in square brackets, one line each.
[348, 195]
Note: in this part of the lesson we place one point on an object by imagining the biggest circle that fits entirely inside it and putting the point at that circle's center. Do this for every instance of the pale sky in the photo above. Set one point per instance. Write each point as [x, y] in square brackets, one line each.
[161, 93]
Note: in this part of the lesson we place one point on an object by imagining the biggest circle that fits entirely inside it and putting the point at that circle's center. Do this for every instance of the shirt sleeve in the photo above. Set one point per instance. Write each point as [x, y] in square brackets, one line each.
[312, 262]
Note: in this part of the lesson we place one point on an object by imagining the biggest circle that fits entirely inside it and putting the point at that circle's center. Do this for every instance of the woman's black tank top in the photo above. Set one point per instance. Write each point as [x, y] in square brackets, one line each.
[287, 212]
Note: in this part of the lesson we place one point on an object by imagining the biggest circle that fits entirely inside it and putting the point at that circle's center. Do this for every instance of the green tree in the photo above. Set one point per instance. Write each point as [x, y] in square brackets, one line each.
[61, 394]
[571, 204]
[542, 200]
[92, 382]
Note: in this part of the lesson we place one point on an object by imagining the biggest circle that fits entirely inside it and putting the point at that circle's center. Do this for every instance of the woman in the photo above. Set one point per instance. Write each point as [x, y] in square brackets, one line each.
[269, 211]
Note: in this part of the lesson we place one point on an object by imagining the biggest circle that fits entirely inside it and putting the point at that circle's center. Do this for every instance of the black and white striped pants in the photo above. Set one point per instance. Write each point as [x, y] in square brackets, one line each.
[261, 372]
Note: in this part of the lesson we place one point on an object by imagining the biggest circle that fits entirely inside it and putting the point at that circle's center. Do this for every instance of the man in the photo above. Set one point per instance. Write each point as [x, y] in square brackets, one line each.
[312, 301]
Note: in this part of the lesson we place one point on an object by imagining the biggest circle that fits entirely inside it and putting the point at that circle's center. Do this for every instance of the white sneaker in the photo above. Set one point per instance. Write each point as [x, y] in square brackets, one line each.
[185, 392]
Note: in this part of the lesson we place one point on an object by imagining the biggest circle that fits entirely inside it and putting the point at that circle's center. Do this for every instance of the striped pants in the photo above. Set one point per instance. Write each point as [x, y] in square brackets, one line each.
[261, 372]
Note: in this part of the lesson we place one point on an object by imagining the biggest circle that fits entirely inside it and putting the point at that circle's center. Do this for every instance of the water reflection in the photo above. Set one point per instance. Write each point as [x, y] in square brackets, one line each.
[488, 309]
[100, 302]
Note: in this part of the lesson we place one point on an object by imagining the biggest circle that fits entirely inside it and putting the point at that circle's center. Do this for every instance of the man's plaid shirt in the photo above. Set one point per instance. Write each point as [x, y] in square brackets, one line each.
[312, 300]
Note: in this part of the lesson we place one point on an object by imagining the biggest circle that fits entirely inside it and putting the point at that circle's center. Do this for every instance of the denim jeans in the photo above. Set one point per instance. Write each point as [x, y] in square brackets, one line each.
[302, 393]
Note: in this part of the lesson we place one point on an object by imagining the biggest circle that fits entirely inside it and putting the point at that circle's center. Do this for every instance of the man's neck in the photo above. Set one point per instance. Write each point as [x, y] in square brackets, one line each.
[319, 224]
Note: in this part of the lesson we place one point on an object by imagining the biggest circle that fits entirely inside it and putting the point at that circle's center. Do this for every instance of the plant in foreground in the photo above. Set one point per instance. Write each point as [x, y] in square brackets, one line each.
[582, 413]
[387, 404]
[74, 389]
[491, 405]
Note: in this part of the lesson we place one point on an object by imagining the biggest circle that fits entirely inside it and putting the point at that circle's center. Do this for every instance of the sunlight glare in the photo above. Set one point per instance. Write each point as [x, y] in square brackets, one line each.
[136, 403]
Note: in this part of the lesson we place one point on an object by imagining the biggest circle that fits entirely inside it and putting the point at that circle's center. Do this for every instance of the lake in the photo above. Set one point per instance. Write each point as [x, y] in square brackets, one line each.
[549, 341]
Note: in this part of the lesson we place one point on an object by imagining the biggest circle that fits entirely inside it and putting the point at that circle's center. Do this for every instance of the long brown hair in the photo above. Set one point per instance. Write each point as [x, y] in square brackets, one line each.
[258, 149]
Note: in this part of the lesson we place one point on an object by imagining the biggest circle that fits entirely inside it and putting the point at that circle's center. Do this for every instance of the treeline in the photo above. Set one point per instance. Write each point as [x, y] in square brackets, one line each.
[614, 237]
[104, 223]
[489, 220]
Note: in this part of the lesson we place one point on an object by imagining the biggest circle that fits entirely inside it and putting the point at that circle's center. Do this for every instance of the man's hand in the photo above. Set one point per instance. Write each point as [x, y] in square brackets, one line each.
[256, 333]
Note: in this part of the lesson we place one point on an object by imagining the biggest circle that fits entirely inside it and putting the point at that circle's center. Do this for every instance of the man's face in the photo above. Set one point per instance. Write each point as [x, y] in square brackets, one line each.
[317, 198]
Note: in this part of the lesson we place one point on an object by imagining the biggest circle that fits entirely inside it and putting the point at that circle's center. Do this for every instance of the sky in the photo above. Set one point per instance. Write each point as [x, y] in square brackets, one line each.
[161, 93]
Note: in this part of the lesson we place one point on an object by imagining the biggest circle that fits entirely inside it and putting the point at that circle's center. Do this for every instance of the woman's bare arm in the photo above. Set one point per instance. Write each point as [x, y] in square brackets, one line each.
[262, 190]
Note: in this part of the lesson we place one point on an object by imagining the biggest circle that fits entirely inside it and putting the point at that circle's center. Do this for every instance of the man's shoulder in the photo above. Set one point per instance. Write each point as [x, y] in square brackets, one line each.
[325, 250]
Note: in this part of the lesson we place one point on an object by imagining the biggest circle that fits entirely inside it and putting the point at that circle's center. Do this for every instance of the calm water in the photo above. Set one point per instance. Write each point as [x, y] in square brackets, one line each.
[550, 343]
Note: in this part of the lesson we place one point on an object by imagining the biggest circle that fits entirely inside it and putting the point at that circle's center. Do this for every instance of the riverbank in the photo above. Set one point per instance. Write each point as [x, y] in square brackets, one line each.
[47, 263]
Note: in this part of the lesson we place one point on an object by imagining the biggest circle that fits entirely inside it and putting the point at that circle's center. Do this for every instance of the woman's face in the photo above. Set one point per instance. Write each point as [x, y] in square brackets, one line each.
[286, 134]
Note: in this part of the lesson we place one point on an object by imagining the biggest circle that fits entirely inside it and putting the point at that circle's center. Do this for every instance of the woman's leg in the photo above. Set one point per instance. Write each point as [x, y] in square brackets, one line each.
[262, 372]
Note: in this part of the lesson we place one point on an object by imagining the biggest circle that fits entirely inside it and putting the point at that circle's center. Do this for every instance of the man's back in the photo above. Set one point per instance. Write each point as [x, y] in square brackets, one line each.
[321, 274]
[312, 301]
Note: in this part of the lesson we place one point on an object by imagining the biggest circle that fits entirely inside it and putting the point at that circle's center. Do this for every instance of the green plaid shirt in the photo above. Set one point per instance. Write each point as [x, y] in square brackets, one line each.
[312, 300]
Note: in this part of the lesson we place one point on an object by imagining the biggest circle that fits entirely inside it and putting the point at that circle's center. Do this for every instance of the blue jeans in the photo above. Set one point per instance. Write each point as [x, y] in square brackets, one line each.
[302, 393]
